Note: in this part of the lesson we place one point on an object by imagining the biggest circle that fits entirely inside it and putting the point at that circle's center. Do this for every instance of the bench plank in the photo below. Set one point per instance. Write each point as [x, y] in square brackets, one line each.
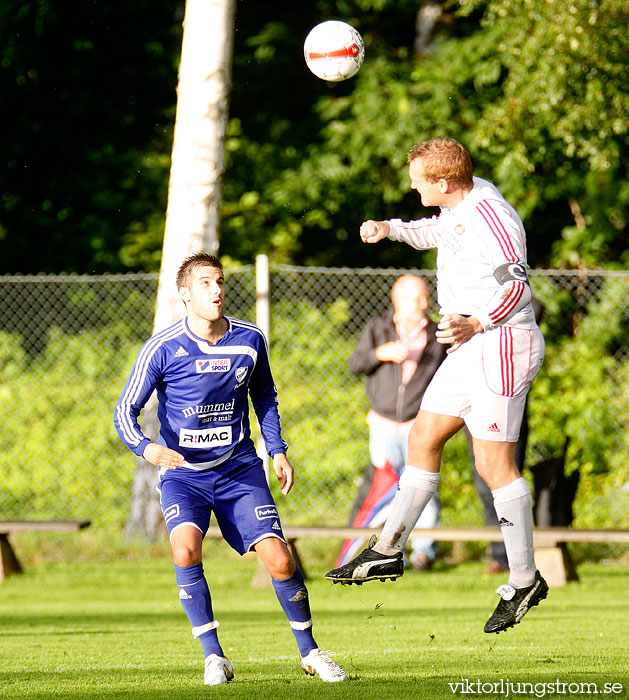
[551, 553]
[543, 537]
[9, 563]
[7, 526]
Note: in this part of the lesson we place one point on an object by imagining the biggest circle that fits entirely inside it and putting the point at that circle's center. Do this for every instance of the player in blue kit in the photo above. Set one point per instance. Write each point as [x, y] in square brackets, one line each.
[204, 369]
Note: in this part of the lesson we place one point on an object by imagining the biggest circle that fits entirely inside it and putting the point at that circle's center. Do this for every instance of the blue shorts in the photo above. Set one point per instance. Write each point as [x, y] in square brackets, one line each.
[236, 491]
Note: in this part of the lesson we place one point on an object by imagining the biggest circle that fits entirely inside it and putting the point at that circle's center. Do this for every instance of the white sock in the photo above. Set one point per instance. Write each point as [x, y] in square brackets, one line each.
[416, 487]
[515, 517]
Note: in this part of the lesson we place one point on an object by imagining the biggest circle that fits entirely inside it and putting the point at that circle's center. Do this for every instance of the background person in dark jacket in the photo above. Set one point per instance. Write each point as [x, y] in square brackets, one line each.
[398, 352]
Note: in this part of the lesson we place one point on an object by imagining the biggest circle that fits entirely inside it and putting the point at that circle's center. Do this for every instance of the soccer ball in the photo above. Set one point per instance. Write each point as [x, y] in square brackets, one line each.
[334, 50]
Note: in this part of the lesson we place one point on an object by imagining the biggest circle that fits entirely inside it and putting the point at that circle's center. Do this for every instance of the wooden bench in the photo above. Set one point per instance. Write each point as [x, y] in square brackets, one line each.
[551, 552]
[9, 563]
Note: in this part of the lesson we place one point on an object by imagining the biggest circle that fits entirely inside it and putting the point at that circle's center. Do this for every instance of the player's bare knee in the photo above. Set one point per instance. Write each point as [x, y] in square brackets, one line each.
[483, 467]
[276, 557]
[418, 436]
[185, 556]
[281, 566]
[424, 445]
[496, 474]
[284, 567]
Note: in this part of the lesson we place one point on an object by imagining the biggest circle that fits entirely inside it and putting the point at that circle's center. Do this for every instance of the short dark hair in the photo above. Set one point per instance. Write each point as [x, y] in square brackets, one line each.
[193, 262]
[444, 158]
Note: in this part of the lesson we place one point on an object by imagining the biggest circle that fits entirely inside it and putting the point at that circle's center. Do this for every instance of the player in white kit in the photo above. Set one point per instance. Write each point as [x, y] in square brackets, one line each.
[496, 349]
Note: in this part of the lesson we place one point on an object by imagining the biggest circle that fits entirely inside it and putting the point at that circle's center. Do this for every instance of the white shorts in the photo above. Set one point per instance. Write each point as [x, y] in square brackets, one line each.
[486, 381]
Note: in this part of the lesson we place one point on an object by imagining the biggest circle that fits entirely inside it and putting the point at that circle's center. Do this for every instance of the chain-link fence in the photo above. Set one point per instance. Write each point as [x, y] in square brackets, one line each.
[67, 344]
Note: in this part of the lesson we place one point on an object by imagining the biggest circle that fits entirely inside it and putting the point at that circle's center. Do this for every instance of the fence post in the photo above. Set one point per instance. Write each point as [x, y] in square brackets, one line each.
[263, 316]
[261, 578]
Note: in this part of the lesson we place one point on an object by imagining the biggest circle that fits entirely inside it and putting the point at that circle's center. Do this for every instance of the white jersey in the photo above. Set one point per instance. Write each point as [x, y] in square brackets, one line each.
[481, 259]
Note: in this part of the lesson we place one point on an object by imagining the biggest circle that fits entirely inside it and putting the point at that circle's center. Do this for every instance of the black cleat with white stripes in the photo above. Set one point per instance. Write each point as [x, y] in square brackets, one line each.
[515, 603]
[369, 565]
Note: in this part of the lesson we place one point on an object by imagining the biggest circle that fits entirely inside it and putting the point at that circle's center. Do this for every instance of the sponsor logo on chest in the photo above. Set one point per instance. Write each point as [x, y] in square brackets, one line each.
[202, 439]
[210, 409]
[213, 365]
[452, 242]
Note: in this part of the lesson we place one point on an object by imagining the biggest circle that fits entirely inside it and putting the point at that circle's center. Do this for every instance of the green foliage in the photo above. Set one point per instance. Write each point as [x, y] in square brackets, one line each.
[537, 90]
[582, 393]
[88, 158]
[61, 456]
[323, 409]
[531, 88]
[557, 130]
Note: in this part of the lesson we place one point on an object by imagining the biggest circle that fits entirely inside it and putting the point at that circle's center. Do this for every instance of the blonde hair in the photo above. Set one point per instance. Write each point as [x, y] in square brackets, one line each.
[444, 159]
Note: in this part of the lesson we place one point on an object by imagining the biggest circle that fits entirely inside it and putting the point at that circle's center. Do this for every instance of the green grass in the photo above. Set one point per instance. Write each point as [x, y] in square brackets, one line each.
[115, 629]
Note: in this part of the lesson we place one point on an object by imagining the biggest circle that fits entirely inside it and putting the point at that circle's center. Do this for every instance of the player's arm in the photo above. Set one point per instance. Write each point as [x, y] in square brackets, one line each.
[127, 411]
[142, 381]
[513, 294]
[503, 240]
[420, 234]
[264, 400]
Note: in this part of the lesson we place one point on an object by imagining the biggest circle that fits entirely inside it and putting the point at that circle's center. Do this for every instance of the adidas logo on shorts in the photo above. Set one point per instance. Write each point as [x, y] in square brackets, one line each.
[493, 428]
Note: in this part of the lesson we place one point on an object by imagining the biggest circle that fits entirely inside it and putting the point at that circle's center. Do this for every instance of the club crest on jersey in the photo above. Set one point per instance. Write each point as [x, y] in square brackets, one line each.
[263, 512]
[241, 373]
[213, 365]
[459, 229]
[209, 437]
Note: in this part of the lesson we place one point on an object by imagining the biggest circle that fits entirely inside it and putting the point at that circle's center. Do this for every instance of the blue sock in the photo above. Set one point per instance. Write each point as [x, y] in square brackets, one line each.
[197, 604]
[293, 597]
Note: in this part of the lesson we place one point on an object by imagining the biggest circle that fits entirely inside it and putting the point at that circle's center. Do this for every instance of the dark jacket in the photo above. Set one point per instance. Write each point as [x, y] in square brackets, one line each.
[387, 395]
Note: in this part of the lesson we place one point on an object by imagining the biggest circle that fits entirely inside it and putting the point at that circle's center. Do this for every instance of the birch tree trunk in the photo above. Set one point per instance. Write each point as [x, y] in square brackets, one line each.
[194, 196]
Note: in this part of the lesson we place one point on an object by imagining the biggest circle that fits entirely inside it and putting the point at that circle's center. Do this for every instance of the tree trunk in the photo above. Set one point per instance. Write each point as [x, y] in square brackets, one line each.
[194, 195]
[427, 17]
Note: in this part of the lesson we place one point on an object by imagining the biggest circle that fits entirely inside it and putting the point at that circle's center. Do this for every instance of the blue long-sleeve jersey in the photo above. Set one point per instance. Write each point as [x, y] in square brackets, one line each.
[203, 392]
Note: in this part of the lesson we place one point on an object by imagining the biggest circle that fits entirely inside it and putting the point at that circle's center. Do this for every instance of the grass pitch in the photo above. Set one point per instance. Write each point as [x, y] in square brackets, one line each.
[116, 630]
